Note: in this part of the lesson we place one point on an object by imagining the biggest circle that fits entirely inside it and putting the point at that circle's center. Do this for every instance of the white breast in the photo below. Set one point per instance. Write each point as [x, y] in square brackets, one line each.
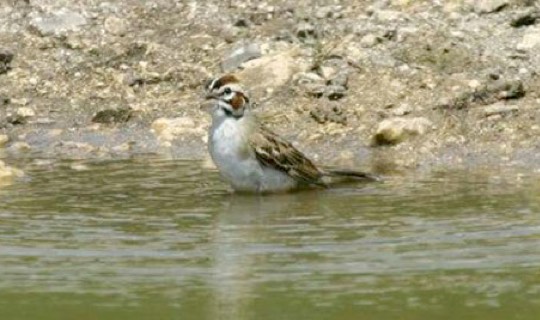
[236, 161]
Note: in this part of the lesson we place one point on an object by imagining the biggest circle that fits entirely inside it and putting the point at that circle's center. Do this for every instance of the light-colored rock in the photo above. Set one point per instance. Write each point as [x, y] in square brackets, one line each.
[44, 120]
[387, 15]
[488, 6]
[473, 84]
[78, 167]
[369, 40]
[116, 26]
[3, 140]
[453, 9]
[58, 23]
[499, 109]
[396, 130]
[401, 3]
[49, 163]
[495, 117]
[7, 173]
[121, 148]
[332, 12]
[21, 115]
[302, 78]
[328, 72]
[272, 71]
[168, 129]
[20, 101]
[340, 79]
[54, 132]
[312, 83]
[25, 112]
[402, 110]
[531, 39]
[305, 30]
[240, 55]
[19, 146]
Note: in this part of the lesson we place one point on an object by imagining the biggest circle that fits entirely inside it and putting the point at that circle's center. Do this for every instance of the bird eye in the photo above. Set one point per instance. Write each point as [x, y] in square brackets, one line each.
[227, 91]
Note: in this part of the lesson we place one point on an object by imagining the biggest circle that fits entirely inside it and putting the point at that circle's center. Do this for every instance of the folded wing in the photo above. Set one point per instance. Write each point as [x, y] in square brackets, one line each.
[276, 153]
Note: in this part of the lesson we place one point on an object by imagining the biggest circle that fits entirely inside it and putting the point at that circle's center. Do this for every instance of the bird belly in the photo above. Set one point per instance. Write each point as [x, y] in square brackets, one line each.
[276, 181]
[238, 165]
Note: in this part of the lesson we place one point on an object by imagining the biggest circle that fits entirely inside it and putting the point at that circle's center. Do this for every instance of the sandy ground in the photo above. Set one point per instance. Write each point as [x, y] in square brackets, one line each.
[383, 85]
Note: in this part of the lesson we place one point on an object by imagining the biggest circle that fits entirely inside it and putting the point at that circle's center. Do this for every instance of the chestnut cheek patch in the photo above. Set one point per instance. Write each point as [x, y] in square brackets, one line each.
[237, 101]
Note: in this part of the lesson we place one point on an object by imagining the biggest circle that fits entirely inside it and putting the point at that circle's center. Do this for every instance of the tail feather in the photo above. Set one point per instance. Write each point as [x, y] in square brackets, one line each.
[354, 175]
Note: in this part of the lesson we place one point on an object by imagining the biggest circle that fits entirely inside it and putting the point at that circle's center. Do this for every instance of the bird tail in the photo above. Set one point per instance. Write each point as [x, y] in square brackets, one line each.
[352, 175]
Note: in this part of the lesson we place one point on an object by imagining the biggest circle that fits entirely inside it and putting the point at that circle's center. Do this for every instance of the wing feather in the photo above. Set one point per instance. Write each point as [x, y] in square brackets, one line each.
[276, 153]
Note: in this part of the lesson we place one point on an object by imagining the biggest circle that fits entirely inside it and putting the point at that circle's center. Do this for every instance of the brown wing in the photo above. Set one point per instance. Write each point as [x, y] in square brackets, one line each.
[274, 152]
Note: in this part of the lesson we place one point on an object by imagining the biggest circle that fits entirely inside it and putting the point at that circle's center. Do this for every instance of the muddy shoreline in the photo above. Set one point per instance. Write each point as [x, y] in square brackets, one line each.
[383, 85]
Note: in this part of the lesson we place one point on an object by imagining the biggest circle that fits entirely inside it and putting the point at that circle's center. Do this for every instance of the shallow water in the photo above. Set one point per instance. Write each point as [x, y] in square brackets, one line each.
[151, 239]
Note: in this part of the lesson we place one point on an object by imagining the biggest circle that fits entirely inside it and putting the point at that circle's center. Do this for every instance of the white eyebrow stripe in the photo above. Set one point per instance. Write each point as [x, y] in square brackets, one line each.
[212, 84]
[233, 86]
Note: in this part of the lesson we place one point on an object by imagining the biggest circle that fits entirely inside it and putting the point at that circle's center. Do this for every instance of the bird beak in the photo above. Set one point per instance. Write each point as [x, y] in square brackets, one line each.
[211, 96]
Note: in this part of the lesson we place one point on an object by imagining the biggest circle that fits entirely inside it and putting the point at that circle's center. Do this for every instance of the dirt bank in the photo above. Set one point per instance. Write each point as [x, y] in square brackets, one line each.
[391, 85]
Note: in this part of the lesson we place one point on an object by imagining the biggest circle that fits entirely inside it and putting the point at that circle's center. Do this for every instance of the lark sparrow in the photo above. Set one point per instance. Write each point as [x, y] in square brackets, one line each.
[252, 158]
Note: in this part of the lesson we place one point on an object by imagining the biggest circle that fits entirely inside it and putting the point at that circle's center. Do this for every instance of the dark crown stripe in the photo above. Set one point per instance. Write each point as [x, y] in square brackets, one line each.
[226, 79]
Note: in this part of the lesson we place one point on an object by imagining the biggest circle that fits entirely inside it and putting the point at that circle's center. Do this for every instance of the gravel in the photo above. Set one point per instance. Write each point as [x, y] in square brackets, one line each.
[323, 75]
